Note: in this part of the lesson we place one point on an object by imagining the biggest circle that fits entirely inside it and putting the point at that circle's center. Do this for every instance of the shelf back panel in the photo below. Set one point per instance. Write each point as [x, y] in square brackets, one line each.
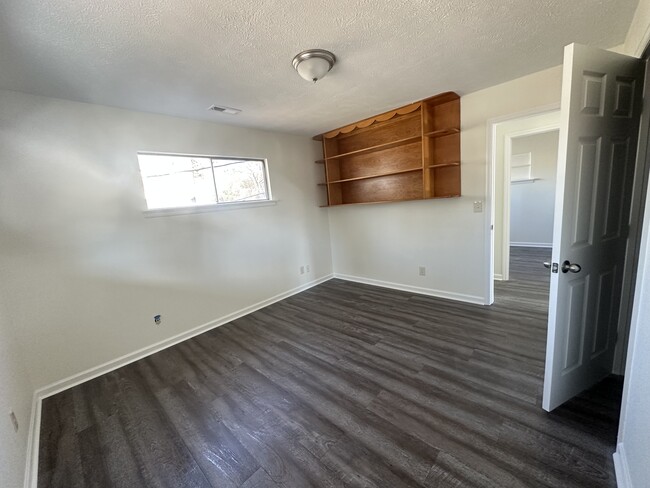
[408, 156]
[445, 149]
[442, 116]
[402, 127]
[445, 181]
[406, 186]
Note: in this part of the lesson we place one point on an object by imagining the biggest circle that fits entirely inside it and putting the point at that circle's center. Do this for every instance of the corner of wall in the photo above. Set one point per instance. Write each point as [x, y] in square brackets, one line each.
[638, 35]
[31, 462]
[623, 479]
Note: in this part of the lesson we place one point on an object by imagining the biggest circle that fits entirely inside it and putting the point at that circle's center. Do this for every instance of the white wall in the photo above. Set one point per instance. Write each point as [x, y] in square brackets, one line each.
[15, 394]
[387, 242]
[633, 451]
[532, 204]
[88, 272]
[638, 35]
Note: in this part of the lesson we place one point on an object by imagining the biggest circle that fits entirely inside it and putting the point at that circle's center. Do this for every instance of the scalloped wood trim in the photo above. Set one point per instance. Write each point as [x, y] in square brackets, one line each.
[373, 120]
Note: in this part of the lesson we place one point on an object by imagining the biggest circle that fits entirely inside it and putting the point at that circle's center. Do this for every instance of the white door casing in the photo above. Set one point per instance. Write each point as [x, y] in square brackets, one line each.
[600, 113]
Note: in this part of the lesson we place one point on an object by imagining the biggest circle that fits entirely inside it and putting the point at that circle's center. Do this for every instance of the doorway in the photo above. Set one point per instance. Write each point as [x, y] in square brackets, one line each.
[504, 133]
[501, 134]
[530, 169]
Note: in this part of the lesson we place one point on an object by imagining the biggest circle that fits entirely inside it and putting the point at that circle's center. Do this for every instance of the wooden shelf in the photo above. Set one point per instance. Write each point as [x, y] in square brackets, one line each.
[388, 201]
[409, 153]
[442, 133]
[444, 165]
[378, 147]
[358, 178]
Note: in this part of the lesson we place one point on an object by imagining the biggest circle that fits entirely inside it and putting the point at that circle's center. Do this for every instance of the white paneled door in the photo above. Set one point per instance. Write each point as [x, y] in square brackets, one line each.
[601, 106]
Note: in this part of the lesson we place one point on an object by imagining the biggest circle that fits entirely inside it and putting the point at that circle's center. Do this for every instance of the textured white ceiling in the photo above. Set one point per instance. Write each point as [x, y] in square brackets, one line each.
[178, 57]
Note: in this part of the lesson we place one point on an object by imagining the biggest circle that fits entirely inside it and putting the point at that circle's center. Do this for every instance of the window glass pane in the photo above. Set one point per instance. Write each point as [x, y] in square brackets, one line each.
[164, 164]
[184, 181]
[171, 181]
[239, 181]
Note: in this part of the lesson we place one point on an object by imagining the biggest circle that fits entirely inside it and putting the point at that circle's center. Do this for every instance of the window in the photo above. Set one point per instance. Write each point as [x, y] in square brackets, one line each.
[182, 181]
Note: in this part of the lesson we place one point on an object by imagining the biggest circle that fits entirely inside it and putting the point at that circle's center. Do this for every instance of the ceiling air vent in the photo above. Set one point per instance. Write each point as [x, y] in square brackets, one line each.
[224, 110]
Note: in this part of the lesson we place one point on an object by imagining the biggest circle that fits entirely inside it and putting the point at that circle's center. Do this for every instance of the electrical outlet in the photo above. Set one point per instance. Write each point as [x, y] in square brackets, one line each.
[478, 206]
[302, 270]
[14, 420]
[157, 319]
[423, 271]
[307, 268]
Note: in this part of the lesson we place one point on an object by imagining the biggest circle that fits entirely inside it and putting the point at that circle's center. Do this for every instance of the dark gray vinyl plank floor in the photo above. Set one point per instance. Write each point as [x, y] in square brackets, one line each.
[342, 385]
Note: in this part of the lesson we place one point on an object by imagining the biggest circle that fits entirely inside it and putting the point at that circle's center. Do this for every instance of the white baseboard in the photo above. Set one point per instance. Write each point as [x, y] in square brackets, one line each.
[623, 479]
[31, 469]
[414, 289]
[532, 244]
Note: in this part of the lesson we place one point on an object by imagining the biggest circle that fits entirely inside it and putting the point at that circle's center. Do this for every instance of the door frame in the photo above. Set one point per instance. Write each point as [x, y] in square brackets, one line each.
[505, 234]
[491, 197]
[639, 192]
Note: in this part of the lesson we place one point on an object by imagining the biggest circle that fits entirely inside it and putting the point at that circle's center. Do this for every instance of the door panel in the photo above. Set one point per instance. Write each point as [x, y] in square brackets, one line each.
[605, 313]
[576, 317]
[615, 177]
[601, 104]
[586, 193]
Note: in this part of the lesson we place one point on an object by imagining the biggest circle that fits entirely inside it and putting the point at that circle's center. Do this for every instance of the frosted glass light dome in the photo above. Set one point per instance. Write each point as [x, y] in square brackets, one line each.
[313, 64]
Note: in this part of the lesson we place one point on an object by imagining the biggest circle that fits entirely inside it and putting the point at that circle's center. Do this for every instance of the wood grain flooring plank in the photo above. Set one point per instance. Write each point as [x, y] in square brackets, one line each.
[408, 456]
[260, 479]
[342, 385]
[449, 472]
[315, 432]
[443, 404]
[580, 433]
[161, 454]
[434, 431]
[223, 460]
[276, 447]
[554, 456]
[357, 466]
[122, 465]
[93, 464]
[60, 463]
[279, 443]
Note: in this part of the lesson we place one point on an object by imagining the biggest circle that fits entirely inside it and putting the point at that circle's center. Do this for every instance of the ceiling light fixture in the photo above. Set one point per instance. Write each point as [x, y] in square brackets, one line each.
[313, 64]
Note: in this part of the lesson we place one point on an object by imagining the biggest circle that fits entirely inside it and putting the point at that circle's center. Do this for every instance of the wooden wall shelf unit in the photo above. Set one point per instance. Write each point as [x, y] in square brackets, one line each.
[410, 153]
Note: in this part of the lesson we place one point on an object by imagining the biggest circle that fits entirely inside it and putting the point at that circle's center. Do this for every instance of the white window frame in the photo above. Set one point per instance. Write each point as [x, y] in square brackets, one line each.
[212, 207]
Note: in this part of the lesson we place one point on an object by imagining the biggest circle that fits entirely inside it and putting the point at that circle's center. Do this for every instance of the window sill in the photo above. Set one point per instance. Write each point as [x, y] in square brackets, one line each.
[217, 207]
